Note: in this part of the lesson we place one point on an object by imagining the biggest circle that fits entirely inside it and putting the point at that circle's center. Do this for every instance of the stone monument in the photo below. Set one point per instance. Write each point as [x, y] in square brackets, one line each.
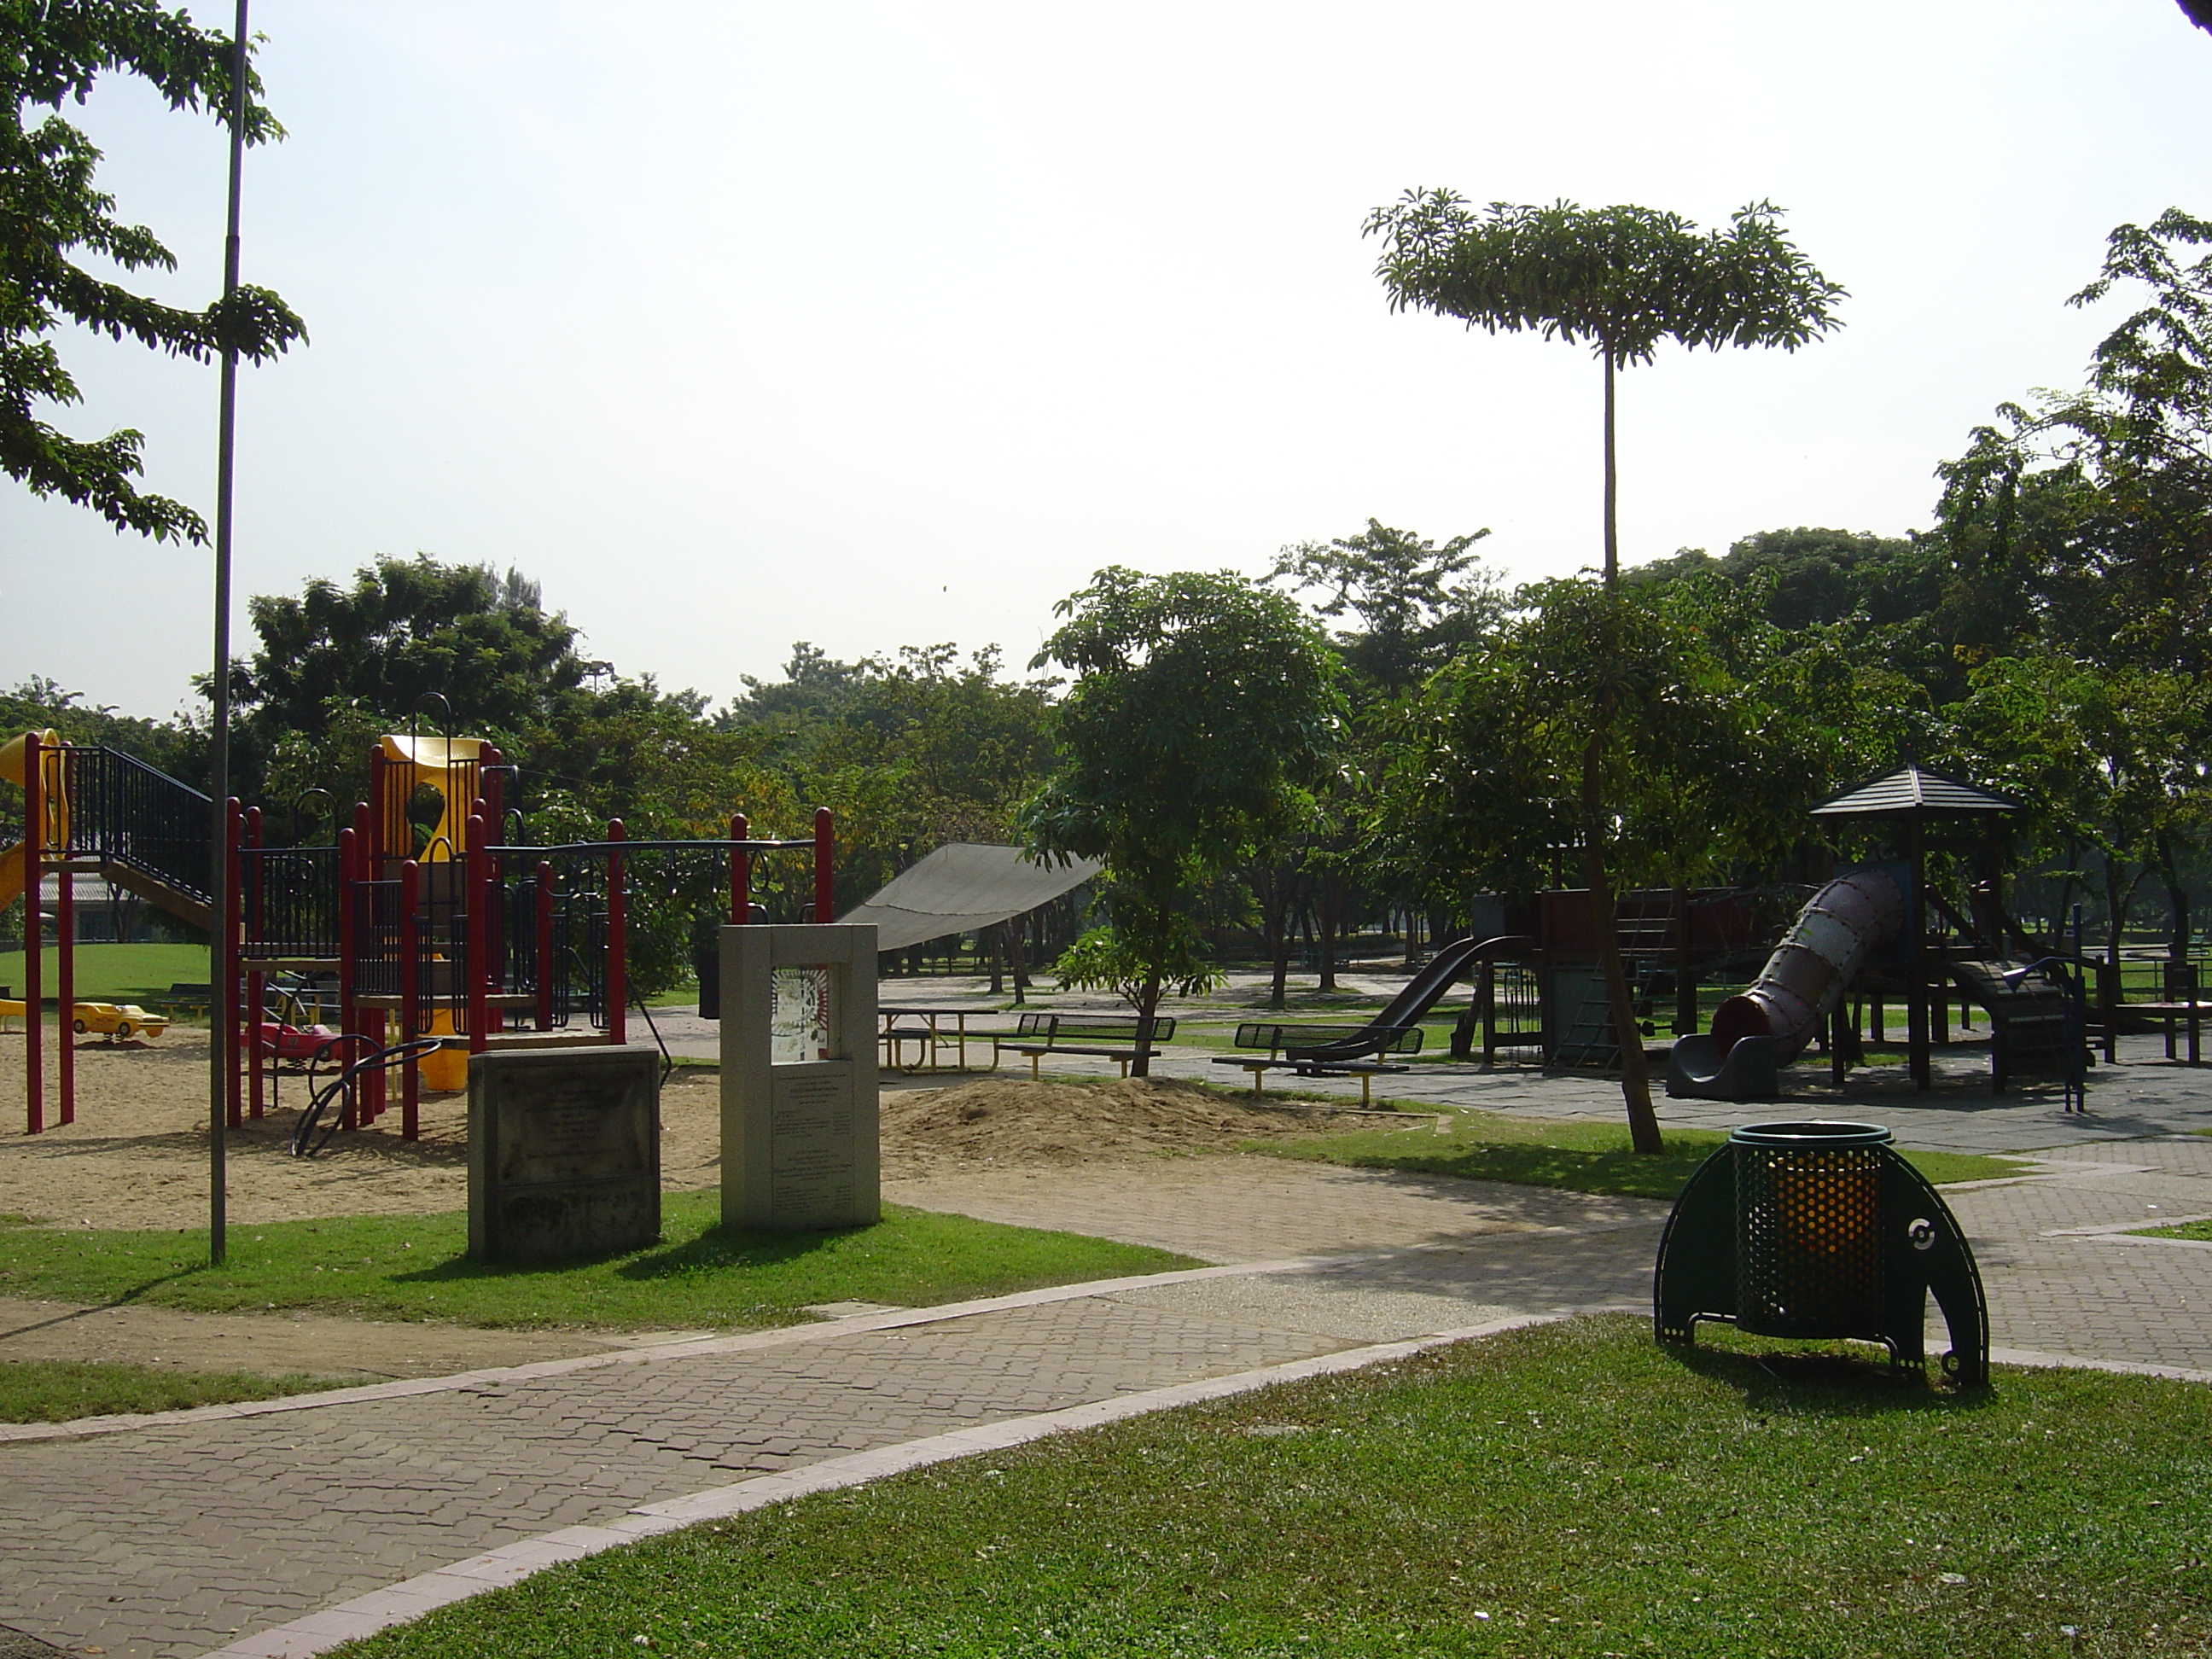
[564, 1152]
[798, 1078]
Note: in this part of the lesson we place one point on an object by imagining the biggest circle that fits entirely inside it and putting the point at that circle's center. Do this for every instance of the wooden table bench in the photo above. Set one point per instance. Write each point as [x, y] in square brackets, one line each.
[931, 1037]
[1104, 1037]
[1291, 1048]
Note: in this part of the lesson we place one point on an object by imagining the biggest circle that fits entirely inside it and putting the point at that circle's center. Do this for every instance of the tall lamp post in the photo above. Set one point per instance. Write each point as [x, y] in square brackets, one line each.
[222, 1047]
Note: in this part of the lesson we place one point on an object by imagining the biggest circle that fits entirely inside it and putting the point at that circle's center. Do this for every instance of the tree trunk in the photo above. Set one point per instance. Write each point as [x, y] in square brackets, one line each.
[1016, 957]
[1327, 904]
[1635, 1076]
[1148, 1005]
[2177, 906]
[1612, 484]
[998, 960]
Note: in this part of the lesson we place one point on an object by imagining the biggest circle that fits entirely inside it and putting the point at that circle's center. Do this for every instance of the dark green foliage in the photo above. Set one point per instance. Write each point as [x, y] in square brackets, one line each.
[2095, 507]
[1814, 576]
[1620, 280]
[1204, 707]
[1574, 1490]
[53, 52]
[1416, 603]
[404, 632]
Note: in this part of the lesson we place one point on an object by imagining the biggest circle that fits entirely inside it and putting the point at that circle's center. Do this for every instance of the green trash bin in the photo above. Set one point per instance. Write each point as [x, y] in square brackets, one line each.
[1819, 1230]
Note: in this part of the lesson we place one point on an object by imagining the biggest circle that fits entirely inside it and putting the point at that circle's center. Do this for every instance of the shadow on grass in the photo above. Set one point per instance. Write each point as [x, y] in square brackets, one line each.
[717, 1249]
[1634, 1175]
[1827, 1380]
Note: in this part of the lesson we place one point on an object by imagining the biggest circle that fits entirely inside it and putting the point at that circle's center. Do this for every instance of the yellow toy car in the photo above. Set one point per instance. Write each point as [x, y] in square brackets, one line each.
[121, 1024]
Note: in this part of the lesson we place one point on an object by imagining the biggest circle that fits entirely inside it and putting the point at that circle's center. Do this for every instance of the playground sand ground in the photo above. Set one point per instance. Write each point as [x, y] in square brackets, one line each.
[137, 1156]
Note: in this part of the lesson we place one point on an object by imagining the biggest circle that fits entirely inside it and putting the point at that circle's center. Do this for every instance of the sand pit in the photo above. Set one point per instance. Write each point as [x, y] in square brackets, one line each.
[1006, 1122]
[137, 1156]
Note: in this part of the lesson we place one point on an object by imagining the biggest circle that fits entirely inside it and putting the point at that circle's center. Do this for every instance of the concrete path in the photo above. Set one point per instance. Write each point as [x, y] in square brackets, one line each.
[177, 1535]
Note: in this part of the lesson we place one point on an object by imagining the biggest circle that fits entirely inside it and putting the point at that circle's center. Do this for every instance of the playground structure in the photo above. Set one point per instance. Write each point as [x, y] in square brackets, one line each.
[427, 926]
[1881, 932]
[1869, 929]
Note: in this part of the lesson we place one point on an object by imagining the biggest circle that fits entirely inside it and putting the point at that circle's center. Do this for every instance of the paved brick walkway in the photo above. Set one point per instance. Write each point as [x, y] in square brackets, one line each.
[172, 1537]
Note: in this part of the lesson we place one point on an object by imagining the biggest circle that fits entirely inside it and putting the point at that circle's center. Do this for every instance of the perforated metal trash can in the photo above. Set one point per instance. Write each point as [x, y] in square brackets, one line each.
[1807, 1236]
[1819, 1230]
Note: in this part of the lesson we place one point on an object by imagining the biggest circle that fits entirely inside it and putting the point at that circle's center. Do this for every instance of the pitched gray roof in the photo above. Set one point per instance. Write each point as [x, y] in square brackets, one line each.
[1913, 788]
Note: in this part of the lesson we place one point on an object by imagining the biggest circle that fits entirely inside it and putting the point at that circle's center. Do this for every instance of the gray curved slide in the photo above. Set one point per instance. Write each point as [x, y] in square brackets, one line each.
[1756, 1034]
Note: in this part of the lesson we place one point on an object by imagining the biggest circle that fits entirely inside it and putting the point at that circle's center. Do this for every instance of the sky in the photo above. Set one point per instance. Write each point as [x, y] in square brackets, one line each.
[873, 324]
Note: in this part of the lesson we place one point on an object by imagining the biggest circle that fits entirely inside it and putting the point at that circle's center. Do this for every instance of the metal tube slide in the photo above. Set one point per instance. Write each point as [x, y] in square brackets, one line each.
[1821, 953]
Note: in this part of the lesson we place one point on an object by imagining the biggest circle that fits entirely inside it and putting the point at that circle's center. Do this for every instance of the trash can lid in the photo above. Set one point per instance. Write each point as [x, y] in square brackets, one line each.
[1804, 1137]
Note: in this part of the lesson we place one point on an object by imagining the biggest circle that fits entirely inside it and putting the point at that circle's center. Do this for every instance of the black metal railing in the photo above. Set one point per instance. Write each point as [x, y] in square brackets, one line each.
[290, 895]
[122, 810]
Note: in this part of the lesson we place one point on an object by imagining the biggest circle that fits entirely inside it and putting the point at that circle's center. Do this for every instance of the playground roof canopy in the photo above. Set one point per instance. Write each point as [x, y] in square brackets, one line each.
[964, 886]
[1914, 788]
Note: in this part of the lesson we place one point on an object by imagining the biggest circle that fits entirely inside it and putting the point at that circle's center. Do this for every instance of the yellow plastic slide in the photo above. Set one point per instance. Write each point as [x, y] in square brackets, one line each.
[11, 771]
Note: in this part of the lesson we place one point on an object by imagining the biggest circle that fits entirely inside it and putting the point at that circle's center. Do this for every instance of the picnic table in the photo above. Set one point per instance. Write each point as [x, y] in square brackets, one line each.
[925, 1027]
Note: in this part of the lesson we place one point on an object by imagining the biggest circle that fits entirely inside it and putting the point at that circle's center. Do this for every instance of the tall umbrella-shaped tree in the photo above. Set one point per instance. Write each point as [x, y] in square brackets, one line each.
[1621, 280]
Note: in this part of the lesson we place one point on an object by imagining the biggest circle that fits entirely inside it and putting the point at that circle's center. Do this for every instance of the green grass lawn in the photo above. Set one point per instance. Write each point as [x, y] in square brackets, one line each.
[412, 1267]
[2198, 1230]
[114, 973]
[56, 1390]
[1588, 1157]
[1574, 1491]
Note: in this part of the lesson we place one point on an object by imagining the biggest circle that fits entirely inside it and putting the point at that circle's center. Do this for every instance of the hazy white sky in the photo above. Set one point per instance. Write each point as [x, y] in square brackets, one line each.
[874, 324]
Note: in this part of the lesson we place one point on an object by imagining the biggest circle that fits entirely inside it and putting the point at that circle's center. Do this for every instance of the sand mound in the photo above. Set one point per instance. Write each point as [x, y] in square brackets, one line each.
[1001, 1120]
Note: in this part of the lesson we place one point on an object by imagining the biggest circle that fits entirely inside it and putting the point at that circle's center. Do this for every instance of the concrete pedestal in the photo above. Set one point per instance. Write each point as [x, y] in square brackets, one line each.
[564, 1153]
[798, 1078]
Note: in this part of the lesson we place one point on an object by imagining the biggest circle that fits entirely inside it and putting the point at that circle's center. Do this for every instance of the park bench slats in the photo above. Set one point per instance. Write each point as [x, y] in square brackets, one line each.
[1106, 1036]
[1298, 1048]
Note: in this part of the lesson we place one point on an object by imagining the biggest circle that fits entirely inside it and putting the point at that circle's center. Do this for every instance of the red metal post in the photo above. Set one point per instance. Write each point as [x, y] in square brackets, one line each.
[256, 983]
[825, 852]
[234, 825]
[65, 992]
[476, 877]
[545, 944]
[741, 873]
[34, 841]
[618, 978]
[494, 958]
[349, 855]
[411, 959]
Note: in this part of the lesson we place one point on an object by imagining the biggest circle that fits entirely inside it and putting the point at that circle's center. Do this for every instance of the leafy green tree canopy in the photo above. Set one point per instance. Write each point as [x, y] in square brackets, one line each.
[404, 630]
[2091, 511]
[1621, 280]
[1203, 706]
[1415, 601]
[50, 51]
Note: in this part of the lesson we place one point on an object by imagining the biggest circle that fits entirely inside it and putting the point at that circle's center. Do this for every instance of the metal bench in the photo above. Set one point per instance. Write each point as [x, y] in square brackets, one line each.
[1293, 1048]
[184, 998]
[1105, 1037]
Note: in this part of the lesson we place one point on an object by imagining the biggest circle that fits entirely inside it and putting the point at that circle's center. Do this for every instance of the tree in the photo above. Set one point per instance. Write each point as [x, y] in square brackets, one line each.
[1402, 589]
[1618, 279]
[1202, 707]
[51, 53]
[1499, 773]
[338, 664]
[2095, 507]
